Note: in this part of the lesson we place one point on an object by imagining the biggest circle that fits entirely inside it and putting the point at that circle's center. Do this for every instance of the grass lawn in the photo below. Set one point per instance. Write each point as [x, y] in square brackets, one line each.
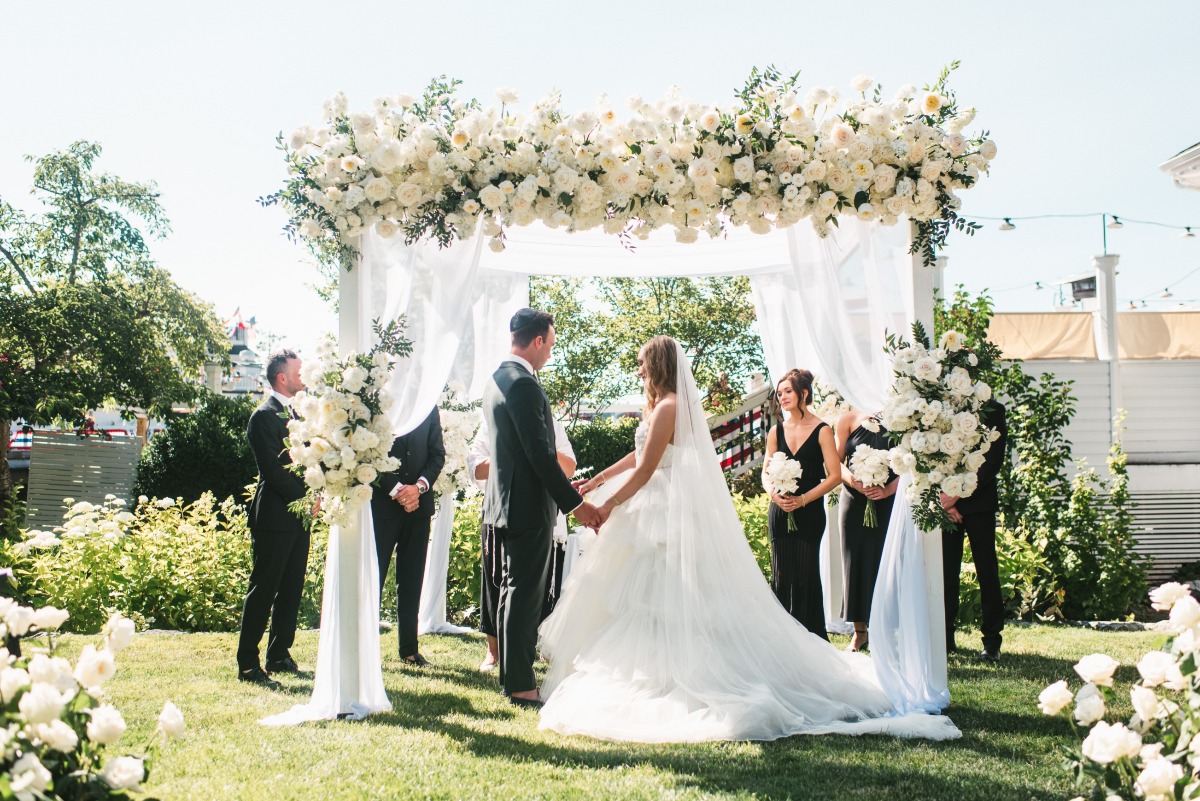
[451, 735]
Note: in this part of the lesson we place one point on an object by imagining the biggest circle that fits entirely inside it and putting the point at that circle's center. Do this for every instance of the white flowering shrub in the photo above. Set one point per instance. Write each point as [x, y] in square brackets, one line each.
[1156, 755]
[460, 421]
[436, 166]
[932, 415]
[57, 725]
[341, 441]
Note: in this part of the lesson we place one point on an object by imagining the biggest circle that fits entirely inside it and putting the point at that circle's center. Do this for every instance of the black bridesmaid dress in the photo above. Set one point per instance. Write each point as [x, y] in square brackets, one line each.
[796, 555]
[862, 546]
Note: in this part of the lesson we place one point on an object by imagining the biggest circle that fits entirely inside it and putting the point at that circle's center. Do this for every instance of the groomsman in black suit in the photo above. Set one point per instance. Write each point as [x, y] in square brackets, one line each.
[526, 490]
[402, 507]
[279, 538]
[976, 519]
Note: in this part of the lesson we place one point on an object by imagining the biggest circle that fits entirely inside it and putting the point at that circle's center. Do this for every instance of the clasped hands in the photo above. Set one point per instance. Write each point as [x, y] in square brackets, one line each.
[409, 497]
[588, 514]
[874, 493]
[948, 503]
[789, 503]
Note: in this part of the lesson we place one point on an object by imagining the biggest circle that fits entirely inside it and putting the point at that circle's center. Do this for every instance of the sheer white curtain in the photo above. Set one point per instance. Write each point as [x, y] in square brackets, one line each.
[830, 313]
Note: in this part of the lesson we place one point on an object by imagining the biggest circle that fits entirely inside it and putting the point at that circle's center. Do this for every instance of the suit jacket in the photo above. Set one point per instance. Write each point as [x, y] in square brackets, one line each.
[277, 486]
[422, 455]
[526, 486]
[985, 498]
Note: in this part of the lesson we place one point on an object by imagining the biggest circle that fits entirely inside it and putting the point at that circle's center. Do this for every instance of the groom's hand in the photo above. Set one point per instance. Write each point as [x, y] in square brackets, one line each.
[588, 515]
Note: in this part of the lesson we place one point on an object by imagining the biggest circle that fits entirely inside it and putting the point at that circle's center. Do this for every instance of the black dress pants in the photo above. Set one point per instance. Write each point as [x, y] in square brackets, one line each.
[980, 529]
[276, 585]
[525, 555]
[406, 534]
[492, 574]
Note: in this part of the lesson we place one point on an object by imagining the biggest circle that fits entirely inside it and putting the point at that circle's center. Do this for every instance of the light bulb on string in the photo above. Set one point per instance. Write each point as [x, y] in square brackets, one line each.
[1166, 293]
[1115, 223]
[1007, 225]
[1187, 233]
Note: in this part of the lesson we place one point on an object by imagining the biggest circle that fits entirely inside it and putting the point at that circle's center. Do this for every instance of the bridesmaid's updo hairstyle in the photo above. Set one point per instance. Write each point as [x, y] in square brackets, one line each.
[801, 382]
[660, 363]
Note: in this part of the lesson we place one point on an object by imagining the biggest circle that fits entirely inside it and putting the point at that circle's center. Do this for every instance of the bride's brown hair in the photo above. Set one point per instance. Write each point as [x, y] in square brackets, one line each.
[801, 382]
[660, 363]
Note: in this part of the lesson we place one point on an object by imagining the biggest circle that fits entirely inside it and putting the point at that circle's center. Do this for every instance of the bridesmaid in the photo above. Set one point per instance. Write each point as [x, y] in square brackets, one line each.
[862, 546]
[796, 555]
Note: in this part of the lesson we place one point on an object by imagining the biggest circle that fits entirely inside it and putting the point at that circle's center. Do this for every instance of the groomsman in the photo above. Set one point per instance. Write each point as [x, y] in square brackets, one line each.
[278, 537]
[402, 507]
[976, 519]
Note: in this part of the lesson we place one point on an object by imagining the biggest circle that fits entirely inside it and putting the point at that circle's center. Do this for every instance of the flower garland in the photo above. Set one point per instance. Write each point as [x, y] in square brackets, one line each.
[341, 442]
[433, 167]
[1115, 758]
[56, 723]
[932, 415]
[460, 421]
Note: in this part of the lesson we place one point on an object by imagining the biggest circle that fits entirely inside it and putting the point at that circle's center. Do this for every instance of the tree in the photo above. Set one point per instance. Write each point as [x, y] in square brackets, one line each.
[87, 317]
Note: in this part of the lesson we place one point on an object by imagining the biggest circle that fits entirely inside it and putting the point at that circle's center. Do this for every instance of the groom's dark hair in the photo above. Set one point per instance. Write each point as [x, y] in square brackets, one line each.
[277, 363]
[529, 324]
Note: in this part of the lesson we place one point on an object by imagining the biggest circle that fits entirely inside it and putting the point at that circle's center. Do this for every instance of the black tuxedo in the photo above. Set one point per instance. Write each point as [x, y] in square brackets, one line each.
[526, 489]
[422, 455]
[979, 526]
[279, 541]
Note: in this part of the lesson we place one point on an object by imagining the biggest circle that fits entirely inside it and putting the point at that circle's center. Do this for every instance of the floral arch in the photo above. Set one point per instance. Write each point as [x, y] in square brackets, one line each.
[403, 198]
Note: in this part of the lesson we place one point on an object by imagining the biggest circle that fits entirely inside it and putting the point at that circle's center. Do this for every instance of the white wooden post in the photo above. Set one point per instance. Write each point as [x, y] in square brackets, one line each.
[922, 300]
[939, 280]
[349, 539]
[1105, 327]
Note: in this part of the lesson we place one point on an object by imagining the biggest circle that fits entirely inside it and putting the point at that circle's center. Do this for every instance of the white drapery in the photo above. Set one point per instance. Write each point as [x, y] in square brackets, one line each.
[823, 304]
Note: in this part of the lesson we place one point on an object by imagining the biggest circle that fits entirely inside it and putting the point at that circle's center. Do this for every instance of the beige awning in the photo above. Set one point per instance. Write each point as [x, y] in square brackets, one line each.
[1158, 335]
[1044, 335]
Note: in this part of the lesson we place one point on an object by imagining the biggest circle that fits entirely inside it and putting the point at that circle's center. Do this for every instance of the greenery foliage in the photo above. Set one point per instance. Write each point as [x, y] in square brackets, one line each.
[1065, 543]
[601, 442]
[202, 451]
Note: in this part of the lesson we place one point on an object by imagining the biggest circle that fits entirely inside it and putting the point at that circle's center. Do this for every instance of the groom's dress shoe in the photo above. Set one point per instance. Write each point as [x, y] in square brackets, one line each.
[416, 660]
[258, 676]
[285, 665]
[534, 703]
[990, 655]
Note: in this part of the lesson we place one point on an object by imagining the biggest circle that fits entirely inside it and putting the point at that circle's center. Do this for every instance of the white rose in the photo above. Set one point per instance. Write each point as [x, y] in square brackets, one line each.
[507, 96]
[386, 229]
[408, 194]
[170, 721]
[1155, 667]
[41, 704]
[106, 726]
[57, 735]
[94, 667]
[842, 135]
[1097, 668]
[988, 150]
[951, 341]
[1089, 705]
[1108, 743]
[927, 369]
[1145, 702]
[118, 632]
[11, 681]
[953, 445]
[123, 773]
[929, 103]
[686, 235]
[52, 670]
[1054, 698]
[496, 245]
[1165, 596]
[378, 189]
[1185, 613]
[361, 493]
[862, 83]
[18, 619]
[49, 618]
[491, 196]
[365, 474]
[955, 144]
[983, 393]
[1158, 778]
[310, 229]
[29, 777]
[314, 477]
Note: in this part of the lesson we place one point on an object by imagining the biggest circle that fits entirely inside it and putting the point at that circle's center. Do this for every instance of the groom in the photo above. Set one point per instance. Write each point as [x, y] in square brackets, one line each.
[526, 489]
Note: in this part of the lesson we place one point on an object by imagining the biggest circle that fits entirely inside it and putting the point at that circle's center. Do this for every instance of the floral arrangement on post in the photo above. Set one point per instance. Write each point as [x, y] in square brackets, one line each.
[870, 467]
[434, 166]
[932, 415]
[827, 403]
[1116, 759]
[56, 724]
[781, 475]
[340, 443]
[460, 421]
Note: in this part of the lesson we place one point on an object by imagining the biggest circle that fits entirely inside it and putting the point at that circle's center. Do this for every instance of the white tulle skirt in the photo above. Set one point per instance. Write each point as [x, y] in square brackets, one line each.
[657, 642]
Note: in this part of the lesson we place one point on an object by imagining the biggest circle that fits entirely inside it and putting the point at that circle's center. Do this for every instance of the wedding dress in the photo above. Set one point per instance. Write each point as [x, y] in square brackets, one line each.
[668, 632]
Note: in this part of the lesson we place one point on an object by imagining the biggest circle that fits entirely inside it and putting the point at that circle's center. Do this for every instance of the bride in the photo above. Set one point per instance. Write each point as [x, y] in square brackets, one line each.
[667, 630]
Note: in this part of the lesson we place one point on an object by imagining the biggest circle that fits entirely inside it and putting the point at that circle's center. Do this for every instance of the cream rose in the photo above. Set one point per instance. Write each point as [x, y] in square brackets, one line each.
[1089, 705]
[170, 721]
[41, 704]
[1097, 668]
[1165, 596]
[1054, 698]
[123, 773]
[94, 667]
[1158, 778]
[1107, 743]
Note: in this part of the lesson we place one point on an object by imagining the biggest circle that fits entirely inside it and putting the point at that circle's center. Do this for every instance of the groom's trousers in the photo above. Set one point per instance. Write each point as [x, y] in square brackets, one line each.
[525, 555]
[276, 587]
[980, 529]
[407, 535]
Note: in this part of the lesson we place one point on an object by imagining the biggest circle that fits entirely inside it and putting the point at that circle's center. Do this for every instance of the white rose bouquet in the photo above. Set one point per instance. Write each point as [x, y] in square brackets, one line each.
[933, 417]
[781, 476]
[340, 443]
[871, 468]
[1156, 755]
[460, 421]
[56, 723]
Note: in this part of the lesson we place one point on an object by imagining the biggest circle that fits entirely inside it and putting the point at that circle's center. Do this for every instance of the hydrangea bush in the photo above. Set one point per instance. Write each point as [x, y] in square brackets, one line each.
[58, 726]
[1155, 756]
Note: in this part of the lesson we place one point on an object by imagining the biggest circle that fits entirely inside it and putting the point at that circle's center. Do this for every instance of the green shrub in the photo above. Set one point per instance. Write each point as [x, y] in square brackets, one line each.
[464, 576]
[202, 451]
[601, 442]
[752, 512]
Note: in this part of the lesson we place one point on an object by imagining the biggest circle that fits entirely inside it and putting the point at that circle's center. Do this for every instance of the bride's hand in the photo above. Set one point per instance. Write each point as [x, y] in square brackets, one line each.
[584, 485]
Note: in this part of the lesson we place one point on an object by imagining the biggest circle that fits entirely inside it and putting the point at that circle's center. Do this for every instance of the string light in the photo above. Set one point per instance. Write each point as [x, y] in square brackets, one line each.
[1115, 225]
[1187, 233]
[1007, 225]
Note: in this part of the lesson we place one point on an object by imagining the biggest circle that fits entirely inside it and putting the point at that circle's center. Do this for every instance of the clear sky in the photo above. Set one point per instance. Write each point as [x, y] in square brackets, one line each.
[1085, 100]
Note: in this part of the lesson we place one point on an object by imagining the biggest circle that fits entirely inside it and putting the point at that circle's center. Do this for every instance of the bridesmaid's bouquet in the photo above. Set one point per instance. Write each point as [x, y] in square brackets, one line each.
[870, 467]
[781, 475]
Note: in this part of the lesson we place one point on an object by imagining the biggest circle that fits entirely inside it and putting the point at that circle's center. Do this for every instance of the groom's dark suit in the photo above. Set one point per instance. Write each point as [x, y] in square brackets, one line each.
[279, 541]
[526, 489]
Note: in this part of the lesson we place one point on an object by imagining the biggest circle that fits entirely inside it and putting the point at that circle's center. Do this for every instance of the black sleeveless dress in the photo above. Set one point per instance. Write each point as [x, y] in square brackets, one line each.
[796, 555]
[862, 546]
